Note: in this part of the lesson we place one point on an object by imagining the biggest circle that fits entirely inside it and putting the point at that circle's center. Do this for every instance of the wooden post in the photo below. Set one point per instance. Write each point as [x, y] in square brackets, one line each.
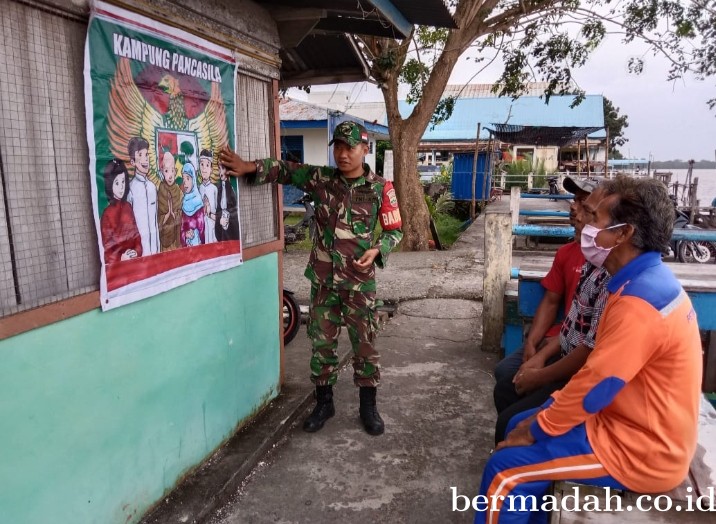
[606, 156]
[579, 159]
[586, 148]
[498, 260]
[473, 214]
[693, 202]
[488, 170]
[515, 204]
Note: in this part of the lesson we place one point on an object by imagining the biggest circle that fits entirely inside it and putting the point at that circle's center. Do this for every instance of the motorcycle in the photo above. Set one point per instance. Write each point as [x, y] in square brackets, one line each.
[553, 189]
[297, 232]
[291, 317]
[691, 251]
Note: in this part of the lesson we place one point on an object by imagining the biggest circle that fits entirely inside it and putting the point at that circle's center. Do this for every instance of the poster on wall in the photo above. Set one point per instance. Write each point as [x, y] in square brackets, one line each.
[160, 105]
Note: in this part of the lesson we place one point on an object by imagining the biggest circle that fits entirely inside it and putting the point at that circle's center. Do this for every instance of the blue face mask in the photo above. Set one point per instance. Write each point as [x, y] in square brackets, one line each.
[591, 251]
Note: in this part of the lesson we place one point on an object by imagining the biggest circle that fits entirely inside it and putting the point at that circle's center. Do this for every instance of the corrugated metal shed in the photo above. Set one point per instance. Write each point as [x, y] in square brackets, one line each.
[525, 111]
[461, 184]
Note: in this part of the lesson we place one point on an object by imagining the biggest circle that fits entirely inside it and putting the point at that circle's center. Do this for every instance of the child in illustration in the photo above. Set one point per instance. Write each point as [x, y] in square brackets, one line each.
[143, 196]
[227, 227]
[208, 192]
[192, 221]
[120, 235]
[170, 203]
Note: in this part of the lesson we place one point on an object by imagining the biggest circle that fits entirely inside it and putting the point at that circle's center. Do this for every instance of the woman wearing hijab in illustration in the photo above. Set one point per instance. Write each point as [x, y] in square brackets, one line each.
[192, 220]
[120, 235]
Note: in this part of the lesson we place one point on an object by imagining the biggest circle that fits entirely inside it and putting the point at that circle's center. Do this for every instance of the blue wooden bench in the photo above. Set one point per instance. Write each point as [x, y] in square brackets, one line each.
[523, 295]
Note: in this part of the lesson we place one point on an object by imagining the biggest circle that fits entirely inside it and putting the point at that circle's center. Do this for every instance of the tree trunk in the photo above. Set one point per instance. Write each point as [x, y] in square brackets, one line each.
[416, 220]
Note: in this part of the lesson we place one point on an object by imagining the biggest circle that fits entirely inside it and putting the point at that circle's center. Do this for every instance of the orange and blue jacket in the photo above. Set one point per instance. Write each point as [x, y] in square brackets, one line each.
[638, 393]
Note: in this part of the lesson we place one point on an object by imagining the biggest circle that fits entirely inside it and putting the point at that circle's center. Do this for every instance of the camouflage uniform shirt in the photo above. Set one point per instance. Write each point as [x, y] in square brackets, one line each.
[346, 212]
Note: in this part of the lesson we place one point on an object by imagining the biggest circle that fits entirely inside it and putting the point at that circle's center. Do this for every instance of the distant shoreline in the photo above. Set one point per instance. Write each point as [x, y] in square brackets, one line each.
[680, 164]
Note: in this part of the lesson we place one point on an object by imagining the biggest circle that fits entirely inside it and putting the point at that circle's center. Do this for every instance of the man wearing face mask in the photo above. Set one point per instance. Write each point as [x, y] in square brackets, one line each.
[549, 369]
[628, 418]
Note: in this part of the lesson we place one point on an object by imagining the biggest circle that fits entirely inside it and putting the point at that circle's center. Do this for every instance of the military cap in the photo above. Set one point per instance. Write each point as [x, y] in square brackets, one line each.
[352, 133]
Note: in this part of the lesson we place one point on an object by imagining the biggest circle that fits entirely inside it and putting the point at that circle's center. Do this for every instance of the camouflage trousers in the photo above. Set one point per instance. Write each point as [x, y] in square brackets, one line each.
[357, 309]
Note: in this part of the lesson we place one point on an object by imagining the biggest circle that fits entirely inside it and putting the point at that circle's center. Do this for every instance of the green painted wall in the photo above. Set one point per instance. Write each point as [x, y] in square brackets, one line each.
[102, 413]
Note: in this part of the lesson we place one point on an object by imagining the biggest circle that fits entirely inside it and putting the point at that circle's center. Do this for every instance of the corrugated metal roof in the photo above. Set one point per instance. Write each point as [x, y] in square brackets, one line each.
[426, 12]
[485, 90]
[369, 111]
[316, 35]
[290, 109]
[525, 111]
[321, 58]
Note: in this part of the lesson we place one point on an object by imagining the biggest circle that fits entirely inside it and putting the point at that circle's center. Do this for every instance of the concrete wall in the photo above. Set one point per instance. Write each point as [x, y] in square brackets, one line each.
[104, 412]
[549, 155]
[315, 144]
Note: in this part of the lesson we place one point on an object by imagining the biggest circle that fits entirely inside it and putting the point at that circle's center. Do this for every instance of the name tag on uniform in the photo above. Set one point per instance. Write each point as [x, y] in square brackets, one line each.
[363, 196]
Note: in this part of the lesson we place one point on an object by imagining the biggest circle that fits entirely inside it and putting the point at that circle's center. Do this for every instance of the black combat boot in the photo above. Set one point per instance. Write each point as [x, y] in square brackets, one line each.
[323, 411]
[372, 422]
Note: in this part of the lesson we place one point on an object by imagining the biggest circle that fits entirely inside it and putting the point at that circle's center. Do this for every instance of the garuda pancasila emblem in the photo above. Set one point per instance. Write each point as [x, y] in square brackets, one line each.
[163, 105]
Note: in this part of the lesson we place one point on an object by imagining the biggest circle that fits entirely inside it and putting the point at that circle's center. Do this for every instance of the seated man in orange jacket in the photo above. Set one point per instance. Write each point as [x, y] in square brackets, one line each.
[628, 418]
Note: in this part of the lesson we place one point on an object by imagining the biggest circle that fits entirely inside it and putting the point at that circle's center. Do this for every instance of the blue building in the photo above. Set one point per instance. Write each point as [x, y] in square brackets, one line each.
[526, 128]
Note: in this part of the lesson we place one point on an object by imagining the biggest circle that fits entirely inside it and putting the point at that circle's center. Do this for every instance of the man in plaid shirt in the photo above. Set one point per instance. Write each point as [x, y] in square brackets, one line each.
[550, 368]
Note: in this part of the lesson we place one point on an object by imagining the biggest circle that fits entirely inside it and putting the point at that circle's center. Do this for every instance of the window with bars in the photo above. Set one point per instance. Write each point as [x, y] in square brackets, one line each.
[48, 242]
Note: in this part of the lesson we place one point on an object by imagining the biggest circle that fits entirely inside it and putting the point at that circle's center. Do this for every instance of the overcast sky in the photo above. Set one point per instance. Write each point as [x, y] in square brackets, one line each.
[669, 120]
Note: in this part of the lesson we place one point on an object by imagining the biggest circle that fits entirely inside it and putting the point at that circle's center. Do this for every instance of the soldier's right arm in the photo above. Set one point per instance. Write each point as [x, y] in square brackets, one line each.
[303, 176]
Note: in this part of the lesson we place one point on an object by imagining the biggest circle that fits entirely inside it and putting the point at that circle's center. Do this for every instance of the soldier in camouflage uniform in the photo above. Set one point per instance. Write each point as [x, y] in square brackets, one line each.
[349, 201]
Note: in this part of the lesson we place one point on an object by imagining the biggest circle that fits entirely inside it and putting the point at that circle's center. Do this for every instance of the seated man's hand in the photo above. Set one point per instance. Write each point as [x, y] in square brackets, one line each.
[527, 379]
[529, 349]
[536, 362]
[520, 436]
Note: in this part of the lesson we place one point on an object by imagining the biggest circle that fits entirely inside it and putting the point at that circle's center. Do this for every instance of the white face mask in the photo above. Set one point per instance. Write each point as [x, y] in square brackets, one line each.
[591, 251]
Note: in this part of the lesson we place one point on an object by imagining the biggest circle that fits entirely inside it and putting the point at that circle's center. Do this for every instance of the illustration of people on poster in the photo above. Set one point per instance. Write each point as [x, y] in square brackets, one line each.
[160, 105]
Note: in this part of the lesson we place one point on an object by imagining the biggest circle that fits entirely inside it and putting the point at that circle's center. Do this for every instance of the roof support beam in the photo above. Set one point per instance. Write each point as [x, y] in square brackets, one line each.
[393, 15]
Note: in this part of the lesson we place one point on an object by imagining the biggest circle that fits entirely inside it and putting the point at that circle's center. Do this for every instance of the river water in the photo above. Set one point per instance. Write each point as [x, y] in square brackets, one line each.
[706, 190]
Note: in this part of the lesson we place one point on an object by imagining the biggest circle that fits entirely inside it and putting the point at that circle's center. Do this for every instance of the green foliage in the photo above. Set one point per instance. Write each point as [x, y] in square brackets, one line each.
[445, 176]
[380, 147]
[440, 211]
[540, 174]
[449, 229]
[535, 41]
[616, 124]
[516, 174]
[415, 74]
[443, 111]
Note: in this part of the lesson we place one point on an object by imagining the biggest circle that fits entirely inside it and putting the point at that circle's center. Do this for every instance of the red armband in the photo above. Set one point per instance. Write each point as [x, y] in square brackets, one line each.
[389, 212]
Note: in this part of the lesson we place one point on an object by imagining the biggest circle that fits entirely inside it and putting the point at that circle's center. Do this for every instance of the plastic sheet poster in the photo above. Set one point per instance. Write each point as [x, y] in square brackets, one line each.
[160, 105]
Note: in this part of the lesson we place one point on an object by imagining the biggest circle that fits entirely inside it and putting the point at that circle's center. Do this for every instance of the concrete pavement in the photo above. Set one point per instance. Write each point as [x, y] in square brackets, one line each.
[435, 398]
